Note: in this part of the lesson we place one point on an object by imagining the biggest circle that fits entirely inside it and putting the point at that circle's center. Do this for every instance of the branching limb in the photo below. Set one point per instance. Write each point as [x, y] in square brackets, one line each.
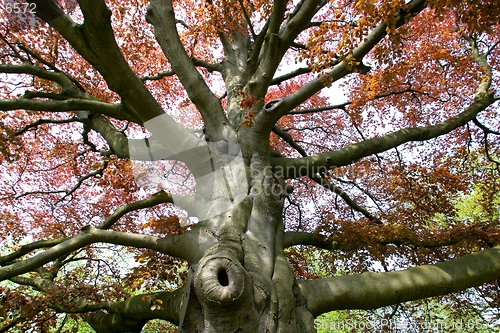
[288, 138]
[161, 16]
[153, 200]
[94, 40]
[314, 164]
[112, 110]
[363, 235]
[293, 168]
[342, 106]
[342, 69]
[68, 100]
[484, 128]
[360, 188]
[299, 20]
[278, 40]
[38, 284]
[89, 235]
[375, 290]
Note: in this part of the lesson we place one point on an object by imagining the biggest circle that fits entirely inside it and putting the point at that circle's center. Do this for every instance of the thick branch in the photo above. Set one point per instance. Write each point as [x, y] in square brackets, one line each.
[155, 199]
[131, 313]
[90, 235]
[278, 41]
[304, 166]
[112, 110]
[94, 40]
[359, 235]
[116, 140]
[340, 70]
[161, 16]
[25, 249]
[375, 290]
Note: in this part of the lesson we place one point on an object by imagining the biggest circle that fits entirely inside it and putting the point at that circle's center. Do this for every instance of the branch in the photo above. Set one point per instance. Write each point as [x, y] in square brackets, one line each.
[292, 168]
[153, 200]
[157, 76]
[484, 128]
[134, 312]
[94, 41]
[25, 249]
[46, 121]
[341, 193]
[375, 290]
[62, 79]
[288, 138]
[89, 235]
[161, 15]
[360, 234]
[340, 70]
[300, 19]
[290, 75]
[36, 283]
[342, 106]
[277, 41]
[112, 110]
[116, 140]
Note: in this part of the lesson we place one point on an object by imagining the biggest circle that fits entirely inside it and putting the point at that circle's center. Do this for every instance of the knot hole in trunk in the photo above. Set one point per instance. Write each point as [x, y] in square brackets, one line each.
[220, 280]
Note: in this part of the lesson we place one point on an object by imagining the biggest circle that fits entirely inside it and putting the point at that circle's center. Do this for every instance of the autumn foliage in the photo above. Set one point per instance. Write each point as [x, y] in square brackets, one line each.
[386, 126]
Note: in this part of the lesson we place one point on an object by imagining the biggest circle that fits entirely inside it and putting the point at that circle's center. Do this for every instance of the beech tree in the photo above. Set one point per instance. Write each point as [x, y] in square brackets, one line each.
[186, 160]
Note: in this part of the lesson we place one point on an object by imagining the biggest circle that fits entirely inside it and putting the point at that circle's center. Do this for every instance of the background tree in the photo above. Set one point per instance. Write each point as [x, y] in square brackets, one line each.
[262, 163]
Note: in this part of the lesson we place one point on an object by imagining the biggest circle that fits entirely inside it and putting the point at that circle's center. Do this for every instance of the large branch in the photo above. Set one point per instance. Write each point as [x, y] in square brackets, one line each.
[94, 41]
[176, 246]
[359, 235]
[153, 200]
[112, 110]
[278, 41]
[292, 168]
[375, 290]
[161, 15]
[338, 71]
[131, 313]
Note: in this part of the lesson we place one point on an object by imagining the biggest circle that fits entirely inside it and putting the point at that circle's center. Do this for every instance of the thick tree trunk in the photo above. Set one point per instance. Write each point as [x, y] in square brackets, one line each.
[243, 282]
[228, 291]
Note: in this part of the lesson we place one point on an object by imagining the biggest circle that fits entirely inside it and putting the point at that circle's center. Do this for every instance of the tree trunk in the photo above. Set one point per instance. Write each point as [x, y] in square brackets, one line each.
[235, 289]
[243, 282]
